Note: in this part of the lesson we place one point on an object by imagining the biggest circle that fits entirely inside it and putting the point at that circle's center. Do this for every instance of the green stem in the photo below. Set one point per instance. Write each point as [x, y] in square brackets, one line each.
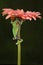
[19, 48]
[19, 51]
[19, 54]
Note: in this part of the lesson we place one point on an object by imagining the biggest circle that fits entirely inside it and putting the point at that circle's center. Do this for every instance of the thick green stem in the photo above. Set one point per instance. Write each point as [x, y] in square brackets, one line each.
[19, 51]
[19, 54]
[19, 48]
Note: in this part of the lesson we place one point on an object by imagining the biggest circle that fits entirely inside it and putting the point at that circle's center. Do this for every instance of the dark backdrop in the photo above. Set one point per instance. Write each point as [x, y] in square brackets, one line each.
[31, 32]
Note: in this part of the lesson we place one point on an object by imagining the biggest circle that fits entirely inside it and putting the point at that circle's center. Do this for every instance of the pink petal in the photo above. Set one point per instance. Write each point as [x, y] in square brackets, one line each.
[28, 17]
[34, 17]
[8, 16]
[39, 17]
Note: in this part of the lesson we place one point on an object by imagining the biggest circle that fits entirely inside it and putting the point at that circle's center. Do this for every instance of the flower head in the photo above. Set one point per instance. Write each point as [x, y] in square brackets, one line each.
[28, 15]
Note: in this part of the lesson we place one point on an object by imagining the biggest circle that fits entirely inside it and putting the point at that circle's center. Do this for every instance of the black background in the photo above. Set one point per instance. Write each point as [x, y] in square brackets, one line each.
[31, 32]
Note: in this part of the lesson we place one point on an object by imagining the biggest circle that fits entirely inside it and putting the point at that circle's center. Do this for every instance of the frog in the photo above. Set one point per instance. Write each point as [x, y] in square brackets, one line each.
[16, 24]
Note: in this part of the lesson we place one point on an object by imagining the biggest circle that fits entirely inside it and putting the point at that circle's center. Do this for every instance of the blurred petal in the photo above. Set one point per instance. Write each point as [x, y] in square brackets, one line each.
[8, 16]
[34, 17]
[39, 17]
[28, 17]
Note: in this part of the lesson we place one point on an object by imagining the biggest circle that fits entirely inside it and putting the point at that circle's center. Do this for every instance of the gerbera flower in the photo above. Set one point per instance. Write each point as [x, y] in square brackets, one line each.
[28, 15]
